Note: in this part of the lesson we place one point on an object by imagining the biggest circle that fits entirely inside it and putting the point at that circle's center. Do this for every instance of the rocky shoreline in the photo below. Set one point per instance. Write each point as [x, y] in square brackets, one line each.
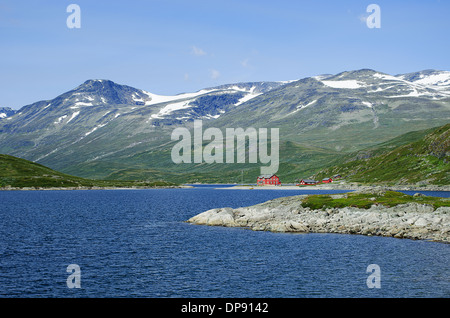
[346, 186]
[411, 220]
[90, 188]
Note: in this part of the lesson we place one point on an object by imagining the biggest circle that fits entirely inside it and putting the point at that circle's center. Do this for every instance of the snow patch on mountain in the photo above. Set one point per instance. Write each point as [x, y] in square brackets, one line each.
[433, 85]
[171, 108]
[209, 116]
[158, 99]
[434, 78]
[246, 98]
[348, 84]
[78, 104]
[75, 114]
[302, 106]
[387, 77]
[60, 119]
[442, 79]
[94, 129]
[6, 112]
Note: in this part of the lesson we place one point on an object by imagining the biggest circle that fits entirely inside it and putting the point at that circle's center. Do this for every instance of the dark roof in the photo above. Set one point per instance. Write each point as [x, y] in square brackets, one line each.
[266, 176]
[307, 180]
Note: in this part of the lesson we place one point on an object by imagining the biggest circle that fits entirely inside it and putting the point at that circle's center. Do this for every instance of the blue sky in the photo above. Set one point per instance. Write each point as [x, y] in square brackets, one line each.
[172, 46]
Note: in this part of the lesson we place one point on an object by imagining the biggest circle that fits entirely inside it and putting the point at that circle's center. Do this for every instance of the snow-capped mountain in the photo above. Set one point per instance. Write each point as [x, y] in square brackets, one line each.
[428, 77]
[101, 123]
[438, 80]
[47, 128]
[6, 112]
[352, 97]
[209, 103]
[433, 84]
[104, 101]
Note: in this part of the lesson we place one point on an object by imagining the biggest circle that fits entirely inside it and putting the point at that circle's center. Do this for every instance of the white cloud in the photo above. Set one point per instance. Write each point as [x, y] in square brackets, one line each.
[186, 77]
[215, 74]
[244, 63]
[197, 51]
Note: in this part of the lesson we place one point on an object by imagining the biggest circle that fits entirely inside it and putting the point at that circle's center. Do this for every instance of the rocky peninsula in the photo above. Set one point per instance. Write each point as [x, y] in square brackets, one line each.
[381, 213]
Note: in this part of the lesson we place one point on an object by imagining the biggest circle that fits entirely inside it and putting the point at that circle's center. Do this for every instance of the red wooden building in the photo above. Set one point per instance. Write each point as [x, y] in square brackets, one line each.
[268, 179]
[327, 180]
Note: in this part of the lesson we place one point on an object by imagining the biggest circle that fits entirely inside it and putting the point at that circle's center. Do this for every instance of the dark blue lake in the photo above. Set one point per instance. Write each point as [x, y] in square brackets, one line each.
[135, 243]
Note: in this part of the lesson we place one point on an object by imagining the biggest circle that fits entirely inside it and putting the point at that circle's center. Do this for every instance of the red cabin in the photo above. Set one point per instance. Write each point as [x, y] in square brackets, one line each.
[268, 179]
[327, 180]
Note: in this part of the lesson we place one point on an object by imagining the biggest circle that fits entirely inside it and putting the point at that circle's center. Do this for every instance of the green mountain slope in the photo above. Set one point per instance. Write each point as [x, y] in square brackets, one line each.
[425, 161]
[20, 173]
[295, 160]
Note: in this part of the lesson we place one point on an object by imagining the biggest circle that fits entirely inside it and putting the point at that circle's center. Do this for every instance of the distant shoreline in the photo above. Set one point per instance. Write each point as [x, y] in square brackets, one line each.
[349, 187]
[91, 188]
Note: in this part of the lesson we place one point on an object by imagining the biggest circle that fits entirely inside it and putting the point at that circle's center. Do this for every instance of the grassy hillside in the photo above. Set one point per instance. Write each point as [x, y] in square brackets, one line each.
[295, 160]
[366, 200]
[20, 173]
[425, 161]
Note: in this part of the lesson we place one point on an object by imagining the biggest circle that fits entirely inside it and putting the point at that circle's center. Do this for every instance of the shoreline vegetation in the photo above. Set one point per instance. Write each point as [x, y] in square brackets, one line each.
[372, 212]
[162, 185]
[345, 186]
[94, 188]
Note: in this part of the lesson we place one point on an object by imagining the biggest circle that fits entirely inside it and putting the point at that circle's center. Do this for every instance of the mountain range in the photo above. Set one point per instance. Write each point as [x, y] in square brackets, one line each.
[105, 130]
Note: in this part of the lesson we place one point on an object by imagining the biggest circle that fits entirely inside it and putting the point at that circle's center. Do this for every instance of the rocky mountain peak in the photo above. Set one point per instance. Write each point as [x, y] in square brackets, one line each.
[6, 112]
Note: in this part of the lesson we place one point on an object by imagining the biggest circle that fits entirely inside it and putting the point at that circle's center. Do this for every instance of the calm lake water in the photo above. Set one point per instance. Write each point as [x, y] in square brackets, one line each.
[135, 243]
